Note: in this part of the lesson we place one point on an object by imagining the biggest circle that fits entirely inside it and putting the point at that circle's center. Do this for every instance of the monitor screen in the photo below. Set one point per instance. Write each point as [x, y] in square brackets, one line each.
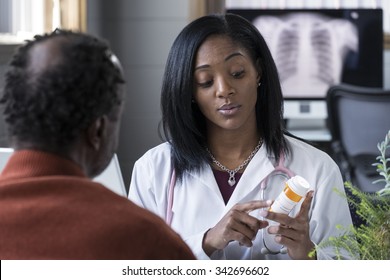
[316, 48]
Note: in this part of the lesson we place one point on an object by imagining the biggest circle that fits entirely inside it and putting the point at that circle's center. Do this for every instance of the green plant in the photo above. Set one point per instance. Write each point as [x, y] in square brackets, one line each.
[371, 240]
[381, 166]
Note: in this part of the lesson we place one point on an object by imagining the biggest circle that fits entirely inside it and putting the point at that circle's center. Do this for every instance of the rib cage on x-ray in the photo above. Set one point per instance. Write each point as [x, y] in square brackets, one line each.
[309, 50]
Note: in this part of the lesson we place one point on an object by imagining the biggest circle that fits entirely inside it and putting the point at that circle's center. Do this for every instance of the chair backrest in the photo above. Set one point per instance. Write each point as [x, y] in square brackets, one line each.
[358, 117]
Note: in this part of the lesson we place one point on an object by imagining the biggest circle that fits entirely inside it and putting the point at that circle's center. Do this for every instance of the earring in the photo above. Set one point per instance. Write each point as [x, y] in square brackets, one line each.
[258, 84]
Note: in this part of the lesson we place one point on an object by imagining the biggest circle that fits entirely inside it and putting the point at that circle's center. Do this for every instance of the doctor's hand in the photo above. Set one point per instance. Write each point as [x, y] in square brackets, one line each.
[291, 232]
[236, 225]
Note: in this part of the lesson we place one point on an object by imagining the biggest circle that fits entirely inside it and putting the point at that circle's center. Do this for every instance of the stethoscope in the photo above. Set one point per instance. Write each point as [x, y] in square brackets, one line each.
[270, 246]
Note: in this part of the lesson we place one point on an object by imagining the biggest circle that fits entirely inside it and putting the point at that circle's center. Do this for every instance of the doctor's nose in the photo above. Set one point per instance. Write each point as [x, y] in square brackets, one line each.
[223, 88]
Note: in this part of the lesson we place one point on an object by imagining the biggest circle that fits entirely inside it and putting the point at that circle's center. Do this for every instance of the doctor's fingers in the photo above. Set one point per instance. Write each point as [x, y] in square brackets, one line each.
[305, 207]
[301, 218]
[235, 219]
[241, 232]
[297, 241]
[301, 221]
[298, 249]
[233, 226]
[277, 217]
[252, 205]
[298, 223]
[297, 232]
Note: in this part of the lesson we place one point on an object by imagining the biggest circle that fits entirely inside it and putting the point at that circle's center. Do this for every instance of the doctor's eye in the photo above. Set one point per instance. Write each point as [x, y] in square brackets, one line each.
[205, 84]
[238, 74]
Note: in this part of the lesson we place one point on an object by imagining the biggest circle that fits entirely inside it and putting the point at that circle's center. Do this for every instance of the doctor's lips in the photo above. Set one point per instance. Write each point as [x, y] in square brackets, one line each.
[229, 109]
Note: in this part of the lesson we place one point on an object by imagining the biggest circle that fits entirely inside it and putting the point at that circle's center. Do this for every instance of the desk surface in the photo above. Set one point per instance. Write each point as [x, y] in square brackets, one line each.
[311, 130]
[315, 135]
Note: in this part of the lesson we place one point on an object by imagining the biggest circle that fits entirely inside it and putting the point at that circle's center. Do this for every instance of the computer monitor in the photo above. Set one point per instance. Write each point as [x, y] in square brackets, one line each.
[316, 48]
[111, 177]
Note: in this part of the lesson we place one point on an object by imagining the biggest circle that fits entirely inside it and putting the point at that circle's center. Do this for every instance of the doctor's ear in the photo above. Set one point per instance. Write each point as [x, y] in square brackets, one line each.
[96, 132]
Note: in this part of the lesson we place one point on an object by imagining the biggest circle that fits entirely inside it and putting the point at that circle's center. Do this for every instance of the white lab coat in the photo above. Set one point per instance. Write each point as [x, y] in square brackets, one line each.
[198, 204]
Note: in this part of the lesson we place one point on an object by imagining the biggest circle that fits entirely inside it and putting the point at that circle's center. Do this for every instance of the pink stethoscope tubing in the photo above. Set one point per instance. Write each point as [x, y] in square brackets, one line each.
[279, 169]
[169, 215]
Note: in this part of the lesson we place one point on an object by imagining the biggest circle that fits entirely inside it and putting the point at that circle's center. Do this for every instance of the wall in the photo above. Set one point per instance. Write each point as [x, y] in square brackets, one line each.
[141, 33]
[386, 66]
[6, 51]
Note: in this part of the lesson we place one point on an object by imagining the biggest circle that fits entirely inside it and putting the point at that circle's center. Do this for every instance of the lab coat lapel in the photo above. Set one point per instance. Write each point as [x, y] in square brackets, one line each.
[207, 179]
[258, 168]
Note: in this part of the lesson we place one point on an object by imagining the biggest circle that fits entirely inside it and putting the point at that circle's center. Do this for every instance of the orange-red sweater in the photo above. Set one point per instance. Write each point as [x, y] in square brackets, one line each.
[49, 209]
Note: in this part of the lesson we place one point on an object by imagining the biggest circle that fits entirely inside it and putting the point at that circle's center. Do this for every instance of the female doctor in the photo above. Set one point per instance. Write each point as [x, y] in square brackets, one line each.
[222, 113]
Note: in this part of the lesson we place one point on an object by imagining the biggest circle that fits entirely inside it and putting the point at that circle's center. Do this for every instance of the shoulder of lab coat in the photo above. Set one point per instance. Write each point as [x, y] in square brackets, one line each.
[150, 179]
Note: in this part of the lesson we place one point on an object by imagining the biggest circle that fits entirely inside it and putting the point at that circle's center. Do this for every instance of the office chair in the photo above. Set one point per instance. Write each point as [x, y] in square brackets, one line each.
[358, 119]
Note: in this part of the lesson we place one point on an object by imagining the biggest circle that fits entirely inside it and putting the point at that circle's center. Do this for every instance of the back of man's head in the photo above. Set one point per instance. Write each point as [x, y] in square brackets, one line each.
[58, 84]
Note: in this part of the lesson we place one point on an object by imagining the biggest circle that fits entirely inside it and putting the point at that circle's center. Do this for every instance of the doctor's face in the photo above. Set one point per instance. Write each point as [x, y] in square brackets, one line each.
[226, 82]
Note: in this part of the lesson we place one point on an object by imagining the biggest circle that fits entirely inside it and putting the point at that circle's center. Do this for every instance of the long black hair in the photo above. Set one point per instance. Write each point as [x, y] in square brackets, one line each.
[184, 126]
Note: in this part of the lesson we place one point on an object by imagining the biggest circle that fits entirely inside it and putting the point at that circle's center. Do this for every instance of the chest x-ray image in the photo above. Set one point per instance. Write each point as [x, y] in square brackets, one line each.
[309, 50]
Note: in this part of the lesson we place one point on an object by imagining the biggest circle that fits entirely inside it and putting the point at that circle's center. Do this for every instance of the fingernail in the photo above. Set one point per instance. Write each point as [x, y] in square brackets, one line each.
[263, 213]
[269, 202]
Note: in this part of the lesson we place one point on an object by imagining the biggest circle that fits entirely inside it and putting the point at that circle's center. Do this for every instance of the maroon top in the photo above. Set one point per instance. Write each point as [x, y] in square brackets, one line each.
[222, 178]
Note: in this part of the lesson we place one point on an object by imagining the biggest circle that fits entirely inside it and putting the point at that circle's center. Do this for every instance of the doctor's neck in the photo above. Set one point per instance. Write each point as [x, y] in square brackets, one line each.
[227, 147]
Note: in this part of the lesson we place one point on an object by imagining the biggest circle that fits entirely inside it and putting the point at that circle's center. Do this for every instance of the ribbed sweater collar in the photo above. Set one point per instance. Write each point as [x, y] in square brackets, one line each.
[31, 163]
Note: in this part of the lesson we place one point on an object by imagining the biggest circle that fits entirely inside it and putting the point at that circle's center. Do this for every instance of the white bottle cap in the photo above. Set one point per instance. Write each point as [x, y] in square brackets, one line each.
[299, 185]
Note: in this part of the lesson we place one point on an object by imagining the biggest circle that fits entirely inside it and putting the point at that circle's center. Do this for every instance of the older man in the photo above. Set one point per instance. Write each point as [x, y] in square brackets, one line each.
[63, 101]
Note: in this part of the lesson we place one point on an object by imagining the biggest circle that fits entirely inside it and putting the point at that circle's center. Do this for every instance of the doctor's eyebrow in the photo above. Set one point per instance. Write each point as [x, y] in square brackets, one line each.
[230, 56]
[233, 55]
